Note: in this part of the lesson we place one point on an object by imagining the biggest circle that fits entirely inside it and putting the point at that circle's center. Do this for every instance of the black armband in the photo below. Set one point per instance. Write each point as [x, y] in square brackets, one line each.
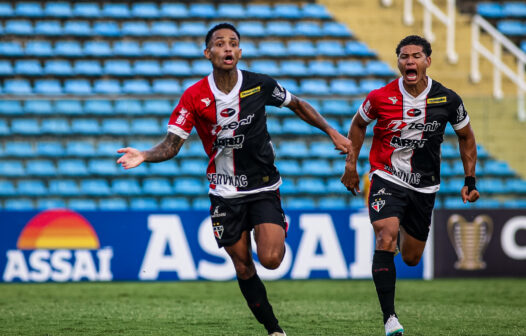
[469, 182]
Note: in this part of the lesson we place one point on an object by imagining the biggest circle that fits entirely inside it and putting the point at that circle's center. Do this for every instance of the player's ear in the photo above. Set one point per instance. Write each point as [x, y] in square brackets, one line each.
[206, 52]
[428, 60]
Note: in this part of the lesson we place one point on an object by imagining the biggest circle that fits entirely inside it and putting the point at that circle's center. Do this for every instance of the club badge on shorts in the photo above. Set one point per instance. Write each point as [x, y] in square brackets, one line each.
[378, 204]
[218, 230]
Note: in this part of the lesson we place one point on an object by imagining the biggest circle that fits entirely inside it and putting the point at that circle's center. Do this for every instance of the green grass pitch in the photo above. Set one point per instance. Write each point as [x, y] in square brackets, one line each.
[314, 307]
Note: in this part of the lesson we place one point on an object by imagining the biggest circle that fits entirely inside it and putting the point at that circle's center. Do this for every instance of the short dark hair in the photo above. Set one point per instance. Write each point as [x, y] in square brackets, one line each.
[224, 25]
[414, 40]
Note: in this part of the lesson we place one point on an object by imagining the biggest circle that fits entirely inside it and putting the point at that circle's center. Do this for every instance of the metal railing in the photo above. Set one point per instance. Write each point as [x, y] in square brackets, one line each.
[495, 57]
[430, 10]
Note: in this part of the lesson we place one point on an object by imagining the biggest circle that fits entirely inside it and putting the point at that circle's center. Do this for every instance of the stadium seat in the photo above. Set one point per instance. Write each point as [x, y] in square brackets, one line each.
[68, 107]
[55, 126]
[115, 126]
[293, 68]
[174, 10]
[491, 186]
[337, 107]
[322, 68]
[308, 28]
[346, 87]
[164, 28]
[156, 49]
[67, 49]
[193, 28]
[331, 48]
[157, 186]
[108, 147]
[296, 126]
[86, 9]
[177, 68]
[50, 203]
[72, 167]
[38, 107]
[128, 106]
[193, 167]
[145, 126]
[301, 48]
[356, 48]
[289, 167]
[300, 203]
[77, 86]
[125, 186]
[4, 130]
[49, 149]
[158, 107]
[28, 67]
[201, 203]
[82, 204]
[511, 27]
[515, 204]
[166, 86]
[280, 28]
[314, 87]
[58, 9]
[202, 10]
[48, 28]
[231, 11]
[287, 187]
[317, 167]
[274, 126]
[514, 9]
[63, 187]
[11, 168]
[18, 27]
[77, 28]
[11, 48]
[87, 68]
[368, 85]
[97, 48]
[145, 10]
[334, 186]
[147, 68]
[272, 48]
[188, 186]
[379, 68]
[259, 11]
[332, 28]
[17, 86]
[94, 187]
[116, 10]
[102, 167]
[351, 68]
[165, 168]
[103, 107]
[287, 11]
[107, 86]
[251, 29]
[315, 11]
[136, 86]
[25, 126]
[58, 68]
[323, 149]
[10, 107]
[48, 87]
[336, 203]
[488, 203]
[85, 126]
[19, 204]
[515, 185]
[80, 148]
[201, 68]
[186, 49]
[498, 168]
[6, 10]
[490, 10]
[113, 204]
[117, 68]
[144, 203]
[294, 149]
[175, 203]
[106, 28]
[135, 28]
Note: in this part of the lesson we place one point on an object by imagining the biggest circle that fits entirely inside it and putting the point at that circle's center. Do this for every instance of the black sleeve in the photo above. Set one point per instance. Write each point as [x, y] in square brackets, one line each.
[277, 95]
[458, 116]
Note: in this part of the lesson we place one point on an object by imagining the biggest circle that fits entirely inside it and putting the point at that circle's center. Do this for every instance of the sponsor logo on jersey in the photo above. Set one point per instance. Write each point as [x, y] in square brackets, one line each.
[218, 229]
[398, 125]
[181, 119]
[233, 180]
[411, 178]
[413, 112]
[207, 101]
[393, 99]
[217, 213]
[461, 112]
[250, 92]
[437, 100]
[228, 112]
[279, 92]
[233, 142]
[381, 192]
[378, 204]
[398, 142]
[232, 125]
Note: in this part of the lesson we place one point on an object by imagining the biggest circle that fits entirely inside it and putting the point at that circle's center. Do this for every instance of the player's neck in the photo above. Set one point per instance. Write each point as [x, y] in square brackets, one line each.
[225, 80]
[416, 89]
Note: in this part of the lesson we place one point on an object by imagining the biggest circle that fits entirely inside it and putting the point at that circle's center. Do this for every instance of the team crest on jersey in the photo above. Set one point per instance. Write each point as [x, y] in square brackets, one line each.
[250, 92]
[393, 99]
[218, 230]
[381, 192]
[437, 100]
[207, 101]
[460, 112]
[378, 204]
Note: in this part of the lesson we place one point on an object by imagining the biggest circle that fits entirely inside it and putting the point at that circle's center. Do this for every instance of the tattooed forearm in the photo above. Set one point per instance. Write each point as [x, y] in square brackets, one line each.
[165, 150]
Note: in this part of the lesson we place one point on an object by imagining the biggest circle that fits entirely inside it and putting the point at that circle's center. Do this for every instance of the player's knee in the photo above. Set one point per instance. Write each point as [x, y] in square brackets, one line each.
[244, 270]
[271, 260]
[411, 259]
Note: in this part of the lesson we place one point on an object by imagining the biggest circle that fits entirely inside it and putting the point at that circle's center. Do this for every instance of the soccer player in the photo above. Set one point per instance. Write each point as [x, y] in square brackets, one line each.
[411, 114]
[228, 110]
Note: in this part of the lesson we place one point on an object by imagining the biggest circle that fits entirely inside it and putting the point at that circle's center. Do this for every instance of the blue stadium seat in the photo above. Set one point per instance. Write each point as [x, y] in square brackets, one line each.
[72, 167]
[145, 126]
[189, 186]
[157, 186]
[488, 203]
[491, 185]
[107, 86]
[147, 68]
[280, 28]
[189, 82]
[287, 11]
[202, 10]
[63, 187]
[49, 149]
[297, 126]
[291, 85]
[344, 87]
[10, 107]
[158, 107]
[333, 28]
[4, 129]
[97, 48]
[259, 11]
[103, 107]
[201, 67]
[294, 149]
[55, 126]
[289, 167]
[77, 86]
[17, 86]
[337, 107]
[49, 28]
[19, 204]
[315, 11]
[6, 10]
[193, 167]
[77, 28]
[334, 186]
[336, 203]
[136, 86]
[145, 10]
[274, 126]
[515, 204]
[156, 49]
[115, 126]
[293, 68]
[164, 28]
[58, 9]
[177, 68]
[18, 27]
[116, 10]
[135, 28]
[95, 187]
[58, 68]
[109, 147]
[166, 86]
[117, 68]
[498, 168]
[511, 27]
[128, 106]
[379, 68]
[165, 168]
[144, 203]
[330, 48]
[113, 204]
[85, 126]
[317, 167]
[81, 148]
[125, 186]
[11, 48]
[252, 29]
[514, 9]
[195, 149]
[357, 48]
[314, 87]
[48, 87]
[50, 203]
[106, 28]
[193, 28]
[288, 187]
[82, 204]
[249, 51]
[300, 203]
[86, 9]
[186, 49]
[323, 149]
[68, 107]
[515, 185]
[174, 10]
[308, 28]
[322, 68]
[446, 170]
[11, 168]
[38, 107]
[28, 67]
[272, 48]
[25, 126]
[201, 203]
[175, 203]
[87, 68]
[102, 167]
[231, 11]
[367, 85]
[68, 49]
[491, 10]
[301, 48]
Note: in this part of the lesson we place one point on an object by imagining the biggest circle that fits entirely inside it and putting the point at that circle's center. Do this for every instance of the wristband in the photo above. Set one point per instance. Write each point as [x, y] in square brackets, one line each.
[469, 182]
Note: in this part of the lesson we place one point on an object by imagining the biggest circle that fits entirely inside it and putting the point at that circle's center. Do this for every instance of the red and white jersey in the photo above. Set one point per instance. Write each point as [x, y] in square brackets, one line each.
[233, 130]
[409, 131]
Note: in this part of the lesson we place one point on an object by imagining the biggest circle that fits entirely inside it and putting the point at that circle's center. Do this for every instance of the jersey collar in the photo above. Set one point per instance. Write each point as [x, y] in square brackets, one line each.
[225, 96]
[406, 94]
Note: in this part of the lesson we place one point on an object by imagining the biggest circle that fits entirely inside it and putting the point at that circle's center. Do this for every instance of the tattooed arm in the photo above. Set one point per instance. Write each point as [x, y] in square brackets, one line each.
[165, 150]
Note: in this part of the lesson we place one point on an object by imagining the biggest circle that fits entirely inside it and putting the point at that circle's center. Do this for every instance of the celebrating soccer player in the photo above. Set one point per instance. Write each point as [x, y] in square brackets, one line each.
[228, 110]
[411, 114]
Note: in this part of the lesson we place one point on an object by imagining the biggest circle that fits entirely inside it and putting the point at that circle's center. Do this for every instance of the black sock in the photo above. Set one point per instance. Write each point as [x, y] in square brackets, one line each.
[256, 295]
[384, 277]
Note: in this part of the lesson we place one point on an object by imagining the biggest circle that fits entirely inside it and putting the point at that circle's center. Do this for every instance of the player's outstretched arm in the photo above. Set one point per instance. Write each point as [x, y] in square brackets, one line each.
[163, 151]
[468, 154]
[307, 113]
[350, 177]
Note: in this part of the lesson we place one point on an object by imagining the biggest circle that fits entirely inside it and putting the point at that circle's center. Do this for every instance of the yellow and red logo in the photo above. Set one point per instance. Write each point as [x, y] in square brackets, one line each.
[58, 229]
